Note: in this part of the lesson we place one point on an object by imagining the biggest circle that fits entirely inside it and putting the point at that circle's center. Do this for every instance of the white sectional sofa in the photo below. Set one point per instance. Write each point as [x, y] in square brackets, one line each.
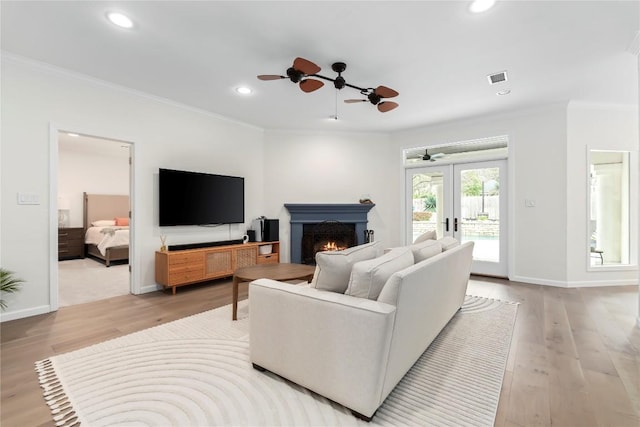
[354, 347]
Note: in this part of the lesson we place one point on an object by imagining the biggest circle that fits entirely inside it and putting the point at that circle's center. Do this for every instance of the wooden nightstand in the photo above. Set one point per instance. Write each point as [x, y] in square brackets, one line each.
[70, 243]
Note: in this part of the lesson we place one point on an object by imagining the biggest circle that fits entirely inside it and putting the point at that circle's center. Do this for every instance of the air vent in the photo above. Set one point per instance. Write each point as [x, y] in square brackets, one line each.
[497, 77]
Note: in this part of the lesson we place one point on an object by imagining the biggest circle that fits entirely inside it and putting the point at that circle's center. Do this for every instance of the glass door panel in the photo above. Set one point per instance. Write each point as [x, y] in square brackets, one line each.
[480, 213]
[428, 201]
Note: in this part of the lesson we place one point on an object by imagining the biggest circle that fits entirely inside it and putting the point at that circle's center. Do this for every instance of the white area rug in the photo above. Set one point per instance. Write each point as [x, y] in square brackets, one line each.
[196, 372]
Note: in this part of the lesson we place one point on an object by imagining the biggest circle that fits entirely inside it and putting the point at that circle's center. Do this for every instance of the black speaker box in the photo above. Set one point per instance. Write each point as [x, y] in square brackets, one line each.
[271, 230]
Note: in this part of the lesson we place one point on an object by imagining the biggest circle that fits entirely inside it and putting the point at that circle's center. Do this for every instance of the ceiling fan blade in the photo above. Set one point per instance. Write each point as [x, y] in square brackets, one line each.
[437, 155]
[385, 92]
[306, 66]
[383, 107]
[353, 101]
[309, 85]
[270, 77]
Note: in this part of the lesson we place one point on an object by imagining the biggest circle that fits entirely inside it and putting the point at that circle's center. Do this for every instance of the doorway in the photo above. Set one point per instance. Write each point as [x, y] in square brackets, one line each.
[467, 201]
[90, 167]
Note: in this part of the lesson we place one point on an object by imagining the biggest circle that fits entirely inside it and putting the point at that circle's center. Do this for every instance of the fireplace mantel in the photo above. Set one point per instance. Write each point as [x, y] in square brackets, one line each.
[310, 213]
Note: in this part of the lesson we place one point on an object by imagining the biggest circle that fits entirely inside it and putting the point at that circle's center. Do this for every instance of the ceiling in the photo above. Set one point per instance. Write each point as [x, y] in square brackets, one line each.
[436, 54]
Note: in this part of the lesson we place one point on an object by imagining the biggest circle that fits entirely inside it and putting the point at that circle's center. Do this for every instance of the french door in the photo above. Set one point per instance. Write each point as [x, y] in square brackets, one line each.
[467, 201]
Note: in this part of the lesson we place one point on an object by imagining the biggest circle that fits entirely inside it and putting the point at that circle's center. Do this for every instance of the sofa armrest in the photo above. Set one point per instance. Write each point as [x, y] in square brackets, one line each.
[334, 344]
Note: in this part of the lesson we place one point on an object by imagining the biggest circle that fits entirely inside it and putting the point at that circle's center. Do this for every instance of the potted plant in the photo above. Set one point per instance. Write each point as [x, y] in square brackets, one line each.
[8, 284]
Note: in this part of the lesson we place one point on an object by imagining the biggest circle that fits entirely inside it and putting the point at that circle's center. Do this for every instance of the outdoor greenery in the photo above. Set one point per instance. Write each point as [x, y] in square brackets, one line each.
[8, 284]
[472, 182]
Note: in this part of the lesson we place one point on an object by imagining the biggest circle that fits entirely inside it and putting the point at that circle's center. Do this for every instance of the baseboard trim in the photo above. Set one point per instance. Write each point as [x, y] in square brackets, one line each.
[537, 281]
[573, 284]
[21, 314]
[149, 288]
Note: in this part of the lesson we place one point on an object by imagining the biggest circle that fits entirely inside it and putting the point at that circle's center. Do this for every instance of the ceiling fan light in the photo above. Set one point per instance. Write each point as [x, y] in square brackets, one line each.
[120, 20]
[479, 6]
[294, 74]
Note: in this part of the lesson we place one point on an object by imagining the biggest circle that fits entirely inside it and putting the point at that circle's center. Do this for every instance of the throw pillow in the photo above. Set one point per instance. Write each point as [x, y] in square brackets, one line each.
[426, 249]
[448, 242]
[122, 221]
[429, 235]
[333, 268]
[103, 223]
[368, 277]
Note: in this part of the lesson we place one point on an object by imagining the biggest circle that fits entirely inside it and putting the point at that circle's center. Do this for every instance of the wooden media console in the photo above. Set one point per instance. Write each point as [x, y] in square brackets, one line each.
[185, 267]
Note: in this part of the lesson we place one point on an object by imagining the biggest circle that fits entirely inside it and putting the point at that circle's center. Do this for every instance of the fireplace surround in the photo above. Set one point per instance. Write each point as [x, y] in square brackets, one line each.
[348, 213]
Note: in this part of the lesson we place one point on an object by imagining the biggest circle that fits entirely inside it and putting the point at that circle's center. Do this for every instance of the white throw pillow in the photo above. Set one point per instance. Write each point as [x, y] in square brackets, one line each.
[333, 268]
[429, 235]
[448, 242]
[426, 249]
[104, 223]
[368, 277]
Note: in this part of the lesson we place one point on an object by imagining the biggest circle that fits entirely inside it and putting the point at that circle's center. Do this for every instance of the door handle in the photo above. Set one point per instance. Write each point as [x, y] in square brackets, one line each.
[455, 225]
[446, 224]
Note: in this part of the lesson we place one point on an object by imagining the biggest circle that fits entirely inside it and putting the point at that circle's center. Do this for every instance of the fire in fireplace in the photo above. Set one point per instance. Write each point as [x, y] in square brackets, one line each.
[326, 236]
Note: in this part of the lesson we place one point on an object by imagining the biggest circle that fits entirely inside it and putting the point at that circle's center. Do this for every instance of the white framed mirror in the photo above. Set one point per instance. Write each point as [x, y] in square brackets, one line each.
[609, 210]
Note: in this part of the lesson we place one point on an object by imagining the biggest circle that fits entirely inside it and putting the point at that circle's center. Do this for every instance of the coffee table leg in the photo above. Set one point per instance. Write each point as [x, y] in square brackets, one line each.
[234, 315]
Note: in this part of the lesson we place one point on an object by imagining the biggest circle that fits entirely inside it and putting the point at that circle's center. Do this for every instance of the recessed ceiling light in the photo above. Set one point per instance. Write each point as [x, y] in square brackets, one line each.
[75, 135]
[504, 92]
[479, 6]
[243, 90]
[120, 20]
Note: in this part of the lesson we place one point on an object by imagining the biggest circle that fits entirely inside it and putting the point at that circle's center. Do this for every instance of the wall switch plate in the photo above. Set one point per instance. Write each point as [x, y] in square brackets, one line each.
[28, 199]
[530, 203]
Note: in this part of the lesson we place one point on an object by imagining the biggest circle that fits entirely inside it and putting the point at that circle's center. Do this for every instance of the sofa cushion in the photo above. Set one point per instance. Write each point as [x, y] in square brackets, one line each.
[448, 242]
[368, 277]
[426, 249]
[333, 268]
[429, 235]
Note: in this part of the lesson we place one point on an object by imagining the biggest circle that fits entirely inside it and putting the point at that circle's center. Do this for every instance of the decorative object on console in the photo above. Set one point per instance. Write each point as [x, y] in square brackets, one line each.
[64, 207]
[163, 246]
[302, 70]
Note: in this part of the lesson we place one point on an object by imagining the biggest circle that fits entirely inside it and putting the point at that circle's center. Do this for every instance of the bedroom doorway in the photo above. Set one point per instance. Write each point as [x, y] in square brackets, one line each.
[93, 202]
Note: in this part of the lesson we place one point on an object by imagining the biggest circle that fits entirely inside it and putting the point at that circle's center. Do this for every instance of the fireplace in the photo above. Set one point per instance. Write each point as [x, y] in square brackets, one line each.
[353, 216]
[326, 236]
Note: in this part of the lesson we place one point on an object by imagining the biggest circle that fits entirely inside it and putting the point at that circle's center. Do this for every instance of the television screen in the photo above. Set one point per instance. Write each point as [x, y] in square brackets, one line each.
[192, 198]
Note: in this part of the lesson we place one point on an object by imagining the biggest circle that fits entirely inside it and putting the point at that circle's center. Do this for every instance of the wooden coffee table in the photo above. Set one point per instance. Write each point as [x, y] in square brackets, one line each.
[282, 272]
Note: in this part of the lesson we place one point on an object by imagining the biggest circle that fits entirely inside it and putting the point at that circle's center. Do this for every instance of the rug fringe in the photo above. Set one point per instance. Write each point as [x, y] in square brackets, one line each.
[55, 396]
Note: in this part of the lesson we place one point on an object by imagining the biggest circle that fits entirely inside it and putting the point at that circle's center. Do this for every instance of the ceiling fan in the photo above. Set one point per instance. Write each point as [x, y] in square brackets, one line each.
[298, 73]
[428, 157]
[303, 70]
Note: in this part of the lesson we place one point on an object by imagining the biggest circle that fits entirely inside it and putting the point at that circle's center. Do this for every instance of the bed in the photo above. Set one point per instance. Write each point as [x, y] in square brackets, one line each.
[106, 227]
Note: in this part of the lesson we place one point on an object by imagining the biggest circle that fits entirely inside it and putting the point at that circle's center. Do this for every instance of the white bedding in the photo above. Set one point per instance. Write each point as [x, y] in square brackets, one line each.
[107, 237]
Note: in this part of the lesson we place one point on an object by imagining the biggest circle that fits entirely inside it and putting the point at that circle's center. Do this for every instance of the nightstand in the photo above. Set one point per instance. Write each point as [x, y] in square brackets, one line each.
[70, 243]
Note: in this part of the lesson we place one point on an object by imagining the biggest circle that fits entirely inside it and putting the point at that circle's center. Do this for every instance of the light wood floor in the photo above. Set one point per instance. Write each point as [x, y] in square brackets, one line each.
[574, 361]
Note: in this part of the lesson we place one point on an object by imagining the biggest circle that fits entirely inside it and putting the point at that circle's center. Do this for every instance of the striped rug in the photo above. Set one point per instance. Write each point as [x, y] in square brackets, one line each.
[196, 372]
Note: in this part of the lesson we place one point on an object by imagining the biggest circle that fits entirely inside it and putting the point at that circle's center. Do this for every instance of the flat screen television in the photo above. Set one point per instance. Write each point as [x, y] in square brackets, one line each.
[193, 198]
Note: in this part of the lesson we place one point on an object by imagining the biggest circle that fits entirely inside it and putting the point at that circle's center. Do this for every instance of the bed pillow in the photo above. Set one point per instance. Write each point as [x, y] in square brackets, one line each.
[426, 249]
[429, 235]
[103, 223]
[368, 277]
[122, 221]
[333, 268]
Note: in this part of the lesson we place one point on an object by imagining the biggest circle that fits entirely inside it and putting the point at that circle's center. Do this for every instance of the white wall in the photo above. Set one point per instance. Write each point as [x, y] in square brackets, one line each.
[595, 127]
[537, 162]
[163, 134]
[93, 173]
[313, 167]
